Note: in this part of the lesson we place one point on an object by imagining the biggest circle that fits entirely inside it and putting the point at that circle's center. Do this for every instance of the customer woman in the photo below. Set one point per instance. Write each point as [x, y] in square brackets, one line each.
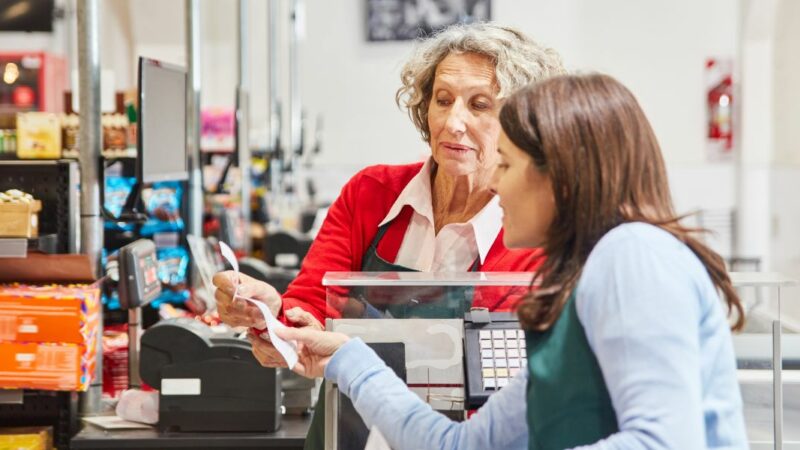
[628, 343]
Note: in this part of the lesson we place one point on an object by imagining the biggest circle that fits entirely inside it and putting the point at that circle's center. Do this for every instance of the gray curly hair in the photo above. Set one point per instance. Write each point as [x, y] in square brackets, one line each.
[518, 60]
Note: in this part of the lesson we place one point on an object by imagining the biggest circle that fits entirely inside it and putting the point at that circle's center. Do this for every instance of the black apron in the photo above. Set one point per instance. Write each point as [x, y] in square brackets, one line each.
[452, 306]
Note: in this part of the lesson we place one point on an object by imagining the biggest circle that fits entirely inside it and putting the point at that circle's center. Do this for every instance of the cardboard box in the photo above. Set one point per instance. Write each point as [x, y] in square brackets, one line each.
[26, 438]
[57, 367]
[66, 315]
[48, 336]
[56, 313]
[20, 219]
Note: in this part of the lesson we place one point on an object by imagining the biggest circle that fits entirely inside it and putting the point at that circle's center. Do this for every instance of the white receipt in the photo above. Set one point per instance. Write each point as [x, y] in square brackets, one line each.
[287, 349]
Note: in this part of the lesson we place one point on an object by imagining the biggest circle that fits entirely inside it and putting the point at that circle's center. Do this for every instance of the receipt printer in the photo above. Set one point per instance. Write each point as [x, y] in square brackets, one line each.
[208, 381]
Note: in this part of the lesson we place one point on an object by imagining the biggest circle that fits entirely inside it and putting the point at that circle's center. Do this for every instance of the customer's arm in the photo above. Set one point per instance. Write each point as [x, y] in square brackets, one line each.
[641, 311]
[384, 401]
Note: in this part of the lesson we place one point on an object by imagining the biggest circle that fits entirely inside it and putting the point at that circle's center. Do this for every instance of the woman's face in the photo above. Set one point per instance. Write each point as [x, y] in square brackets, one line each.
[462, 115]
[526, 197]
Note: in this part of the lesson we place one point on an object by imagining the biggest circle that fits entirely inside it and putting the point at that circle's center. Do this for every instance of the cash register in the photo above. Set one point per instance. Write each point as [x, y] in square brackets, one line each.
[208, 379]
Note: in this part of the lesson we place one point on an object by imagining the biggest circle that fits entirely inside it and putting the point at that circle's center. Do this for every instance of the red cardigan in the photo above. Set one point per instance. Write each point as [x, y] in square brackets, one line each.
[352, 223]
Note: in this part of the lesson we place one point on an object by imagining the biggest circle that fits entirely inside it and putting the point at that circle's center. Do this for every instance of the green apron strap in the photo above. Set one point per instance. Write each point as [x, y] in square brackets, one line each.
[568, 404]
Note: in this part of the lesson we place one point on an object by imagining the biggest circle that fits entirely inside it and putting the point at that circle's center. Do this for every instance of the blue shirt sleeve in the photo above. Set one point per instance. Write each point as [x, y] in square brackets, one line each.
[384, 401]
[641, 299]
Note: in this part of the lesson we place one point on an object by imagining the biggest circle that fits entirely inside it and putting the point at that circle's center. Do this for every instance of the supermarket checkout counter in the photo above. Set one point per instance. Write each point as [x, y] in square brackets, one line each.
[290, 436]
[233, 392]
[212, 392]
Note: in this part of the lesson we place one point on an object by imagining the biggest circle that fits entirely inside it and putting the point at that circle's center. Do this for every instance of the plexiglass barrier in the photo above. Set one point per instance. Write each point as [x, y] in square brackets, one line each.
[422, 295]
[767, 349]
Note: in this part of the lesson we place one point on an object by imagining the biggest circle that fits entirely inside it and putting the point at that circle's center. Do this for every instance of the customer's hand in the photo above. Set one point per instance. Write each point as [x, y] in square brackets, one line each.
[314, 348]
[237, 312]
[263, 349]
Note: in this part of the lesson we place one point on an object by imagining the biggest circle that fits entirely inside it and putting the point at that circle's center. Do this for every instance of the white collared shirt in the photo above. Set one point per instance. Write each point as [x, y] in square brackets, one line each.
[457, 245]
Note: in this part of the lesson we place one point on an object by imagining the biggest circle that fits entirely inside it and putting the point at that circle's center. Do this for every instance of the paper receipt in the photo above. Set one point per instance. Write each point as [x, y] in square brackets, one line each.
[287, 349]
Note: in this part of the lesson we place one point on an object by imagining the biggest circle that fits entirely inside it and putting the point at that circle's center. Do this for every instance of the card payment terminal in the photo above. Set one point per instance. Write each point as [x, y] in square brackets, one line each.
[138, 274]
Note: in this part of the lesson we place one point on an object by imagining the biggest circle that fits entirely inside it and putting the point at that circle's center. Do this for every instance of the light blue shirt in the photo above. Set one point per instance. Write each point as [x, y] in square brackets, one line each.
[654, 320]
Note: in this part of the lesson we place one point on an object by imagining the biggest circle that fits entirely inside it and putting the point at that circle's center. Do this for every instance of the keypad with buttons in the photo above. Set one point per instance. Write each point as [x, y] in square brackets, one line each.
[494, 353]
[502, 356]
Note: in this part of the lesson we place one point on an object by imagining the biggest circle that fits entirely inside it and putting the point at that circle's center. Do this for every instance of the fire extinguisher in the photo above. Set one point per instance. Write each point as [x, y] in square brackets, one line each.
[720, 113]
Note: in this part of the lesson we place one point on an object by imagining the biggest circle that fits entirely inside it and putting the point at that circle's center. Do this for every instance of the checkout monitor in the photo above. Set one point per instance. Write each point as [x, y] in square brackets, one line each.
[162, 122]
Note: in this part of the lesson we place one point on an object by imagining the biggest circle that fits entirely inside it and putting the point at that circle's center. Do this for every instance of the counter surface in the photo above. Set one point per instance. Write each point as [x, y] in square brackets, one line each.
[290, 436]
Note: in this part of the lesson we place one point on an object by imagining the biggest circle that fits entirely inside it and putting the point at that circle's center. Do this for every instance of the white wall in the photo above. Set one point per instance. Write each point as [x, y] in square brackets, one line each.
[653, 47]
[658, 49]
[785, 180]
[663, 64]
[787, 89]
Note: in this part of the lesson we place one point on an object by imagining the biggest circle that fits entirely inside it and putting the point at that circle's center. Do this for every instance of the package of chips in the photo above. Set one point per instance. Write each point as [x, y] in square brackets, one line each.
[163, 205]
[173, 264]
[117, 191]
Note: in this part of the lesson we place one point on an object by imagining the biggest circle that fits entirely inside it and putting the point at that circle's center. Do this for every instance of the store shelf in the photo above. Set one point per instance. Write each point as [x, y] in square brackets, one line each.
[57, 409]
[107, 154]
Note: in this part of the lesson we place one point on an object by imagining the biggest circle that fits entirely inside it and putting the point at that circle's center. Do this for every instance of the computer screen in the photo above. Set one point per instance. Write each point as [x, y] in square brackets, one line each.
[162, 122]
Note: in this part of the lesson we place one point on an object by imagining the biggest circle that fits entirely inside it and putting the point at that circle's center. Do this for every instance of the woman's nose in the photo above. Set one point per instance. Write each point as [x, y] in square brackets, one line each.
[456, 118]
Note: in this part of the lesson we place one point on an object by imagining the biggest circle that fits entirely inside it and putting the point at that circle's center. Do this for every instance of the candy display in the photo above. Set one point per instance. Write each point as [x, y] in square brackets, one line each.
[48, 336]
[55, 313]
[117, 191]
[163, 205]
[173, 264]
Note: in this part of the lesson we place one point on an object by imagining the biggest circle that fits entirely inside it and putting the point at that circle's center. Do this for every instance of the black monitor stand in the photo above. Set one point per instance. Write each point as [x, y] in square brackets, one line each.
[130, 212]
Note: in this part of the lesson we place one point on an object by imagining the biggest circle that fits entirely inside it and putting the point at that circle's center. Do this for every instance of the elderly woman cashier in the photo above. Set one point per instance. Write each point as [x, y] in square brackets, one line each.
[439, 215]
[628, 342]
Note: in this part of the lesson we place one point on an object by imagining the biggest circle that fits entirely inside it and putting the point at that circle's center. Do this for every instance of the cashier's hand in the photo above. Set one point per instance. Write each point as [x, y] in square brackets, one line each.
[238, 312]
[263, 349]
[314, 348]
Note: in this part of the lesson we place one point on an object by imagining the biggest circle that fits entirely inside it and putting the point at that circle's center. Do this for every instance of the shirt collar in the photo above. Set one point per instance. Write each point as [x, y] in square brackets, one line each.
[418, 195]
[487, 224]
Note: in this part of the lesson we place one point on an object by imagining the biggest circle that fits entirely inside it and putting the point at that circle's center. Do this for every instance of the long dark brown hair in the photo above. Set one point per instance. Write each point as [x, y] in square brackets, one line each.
[591, 137]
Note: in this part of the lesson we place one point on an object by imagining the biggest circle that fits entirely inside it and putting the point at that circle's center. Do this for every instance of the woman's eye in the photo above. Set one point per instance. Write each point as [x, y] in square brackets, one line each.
[442, 102]
[481, 106]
